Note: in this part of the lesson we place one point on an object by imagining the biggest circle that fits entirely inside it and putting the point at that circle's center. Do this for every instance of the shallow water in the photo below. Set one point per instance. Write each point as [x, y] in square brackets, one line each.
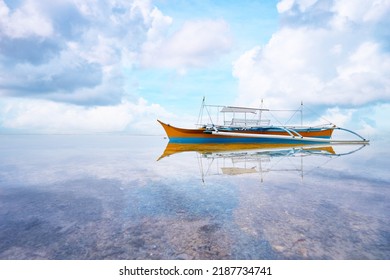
[113, 197]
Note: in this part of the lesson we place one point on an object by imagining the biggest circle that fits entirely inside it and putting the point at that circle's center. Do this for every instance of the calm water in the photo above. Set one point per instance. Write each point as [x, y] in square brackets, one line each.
[113, 197]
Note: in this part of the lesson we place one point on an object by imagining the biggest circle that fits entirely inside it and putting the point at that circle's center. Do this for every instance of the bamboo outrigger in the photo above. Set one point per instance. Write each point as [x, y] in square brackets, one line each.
[252, 128]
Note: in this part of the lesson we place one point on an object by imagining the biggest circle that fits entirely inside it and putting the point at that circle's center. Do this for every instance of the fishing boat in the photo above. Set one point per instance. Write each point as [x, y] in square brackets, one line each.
[247, 125]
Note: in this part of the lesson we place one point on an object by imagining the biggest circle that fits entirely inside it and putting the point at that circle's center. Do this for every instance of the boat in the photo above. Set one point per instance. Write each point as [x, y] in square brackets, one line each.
[246, 125]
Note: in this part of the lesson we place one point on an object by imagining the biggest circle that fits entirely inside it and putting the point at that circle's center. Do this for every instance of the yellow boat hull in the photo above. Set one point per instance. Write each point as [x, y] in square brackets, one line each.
[201, 135]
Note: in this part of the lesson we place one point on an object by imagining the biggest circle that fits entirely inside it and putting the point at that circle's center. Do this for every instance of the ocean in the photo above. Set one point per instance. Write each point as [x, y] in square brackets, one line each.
[133, 197]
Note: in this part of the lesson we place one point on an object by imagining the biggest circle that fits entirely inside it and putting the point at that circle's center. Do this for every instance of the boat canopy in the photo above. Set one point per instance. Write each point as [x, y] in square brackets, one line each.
[230, 109]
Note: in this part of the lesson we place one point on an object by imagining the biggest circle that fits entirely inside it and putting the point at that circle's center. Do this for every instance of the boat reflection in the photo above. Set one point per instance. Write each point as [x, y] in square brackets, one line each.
[238, 159]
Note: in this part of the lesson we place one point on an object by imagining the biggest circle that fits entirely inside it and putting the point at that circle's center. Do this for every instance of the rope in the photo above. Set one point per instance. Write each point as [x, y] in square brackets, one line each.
[200, 116]
[315, 113]
[275, 118]
[298, 110]
[208, 113]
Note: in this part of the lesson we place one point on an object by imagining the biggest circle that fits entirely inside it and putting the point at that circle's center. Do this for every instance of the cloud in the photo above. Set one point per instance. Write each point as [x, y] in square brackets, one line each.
[70, 51]
[44, 116]
[336, 60]
[24, 21]
[27, 50]
[361, 11]
[62, 61]
[63, 50]
[195, 44]
[62, 65]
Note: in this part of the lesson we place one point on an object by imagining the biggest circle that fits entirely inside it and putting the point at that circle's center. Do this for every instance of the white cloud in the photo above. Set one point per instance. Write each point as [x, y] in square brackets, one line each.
[52, 117]
[319, 63]
[362, 10]
[351, 10]
[284, 5]
[25, 21]
[81, 54]
[63, 63]
[195, 44]
[73, 51]
[159, 26]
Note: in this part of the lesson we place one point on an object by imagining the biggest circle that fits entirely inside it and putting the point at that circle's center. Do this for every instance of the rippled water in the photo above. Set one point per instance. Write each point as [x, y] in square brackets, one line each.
[122, 197]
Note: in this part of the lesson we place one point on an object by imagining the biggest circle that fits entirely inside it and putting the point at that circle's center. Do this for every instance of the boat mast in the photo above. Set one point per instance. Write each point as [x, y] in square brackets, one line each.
[301, 113]
[261, 107]
[200, 116]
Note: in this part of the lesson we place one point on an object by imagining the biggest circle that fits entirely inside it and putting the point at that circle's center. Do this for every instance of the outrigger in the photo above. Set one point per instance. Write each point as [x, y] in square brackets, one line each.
[247, 125]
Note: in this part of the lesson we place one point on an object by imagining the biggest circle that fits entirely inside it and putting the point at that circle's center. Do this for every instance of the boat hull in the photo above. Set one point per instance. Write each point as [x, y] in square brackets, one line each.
[268, 135]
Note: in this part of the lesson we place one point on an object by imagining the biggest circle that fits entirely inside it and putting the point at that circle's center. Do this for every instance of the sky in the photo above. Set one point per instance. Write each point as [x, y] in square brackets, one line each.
[116, 66]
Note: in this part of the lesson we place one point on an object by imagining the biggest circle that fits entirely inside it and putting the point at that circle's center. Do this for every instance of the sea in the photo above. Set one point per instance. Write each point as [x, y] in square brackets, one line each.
[121, 196]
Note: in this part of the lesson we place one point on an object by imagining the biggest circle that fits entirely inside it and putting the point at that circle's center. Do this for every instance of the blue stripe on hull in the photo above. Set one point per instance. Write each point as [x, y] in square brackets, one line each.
[199, 140]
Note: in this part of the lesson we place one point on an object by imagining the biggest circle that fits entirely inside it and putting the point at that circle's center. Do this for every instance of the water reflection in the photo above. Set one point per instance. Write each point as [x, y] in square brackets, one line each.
[239, 159]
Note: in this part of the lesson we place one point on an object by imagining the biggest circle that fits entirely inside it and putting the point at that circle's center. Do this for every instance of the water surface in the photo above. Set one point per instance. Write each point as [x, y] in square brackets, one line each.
[114, 197]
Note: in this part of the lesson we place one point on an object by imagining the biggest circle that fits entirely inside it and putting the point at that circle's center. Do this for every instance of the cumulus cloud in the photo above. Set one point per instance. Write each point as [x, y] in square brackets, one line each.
[24, 21]
[193, 45]
[72, 58]
[63, 50]
[45, 116]
[325, 53]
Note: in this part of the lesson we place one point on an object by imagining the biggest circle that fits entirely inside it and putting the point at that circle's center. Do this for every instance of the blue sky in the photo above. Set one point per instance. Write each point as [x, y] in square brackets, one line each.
[118, 65]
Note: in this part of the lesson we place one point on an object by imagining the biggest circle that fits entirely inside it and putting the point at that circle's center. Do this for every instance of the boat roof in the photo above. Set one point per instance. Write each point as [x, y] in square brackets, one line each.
[232, 109]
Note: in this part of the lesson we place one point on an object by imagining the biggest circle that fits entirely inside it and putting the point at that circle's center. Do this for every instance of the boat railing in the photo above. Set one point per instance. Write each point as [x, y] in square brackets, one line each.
[246, 122]
[253, 118]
